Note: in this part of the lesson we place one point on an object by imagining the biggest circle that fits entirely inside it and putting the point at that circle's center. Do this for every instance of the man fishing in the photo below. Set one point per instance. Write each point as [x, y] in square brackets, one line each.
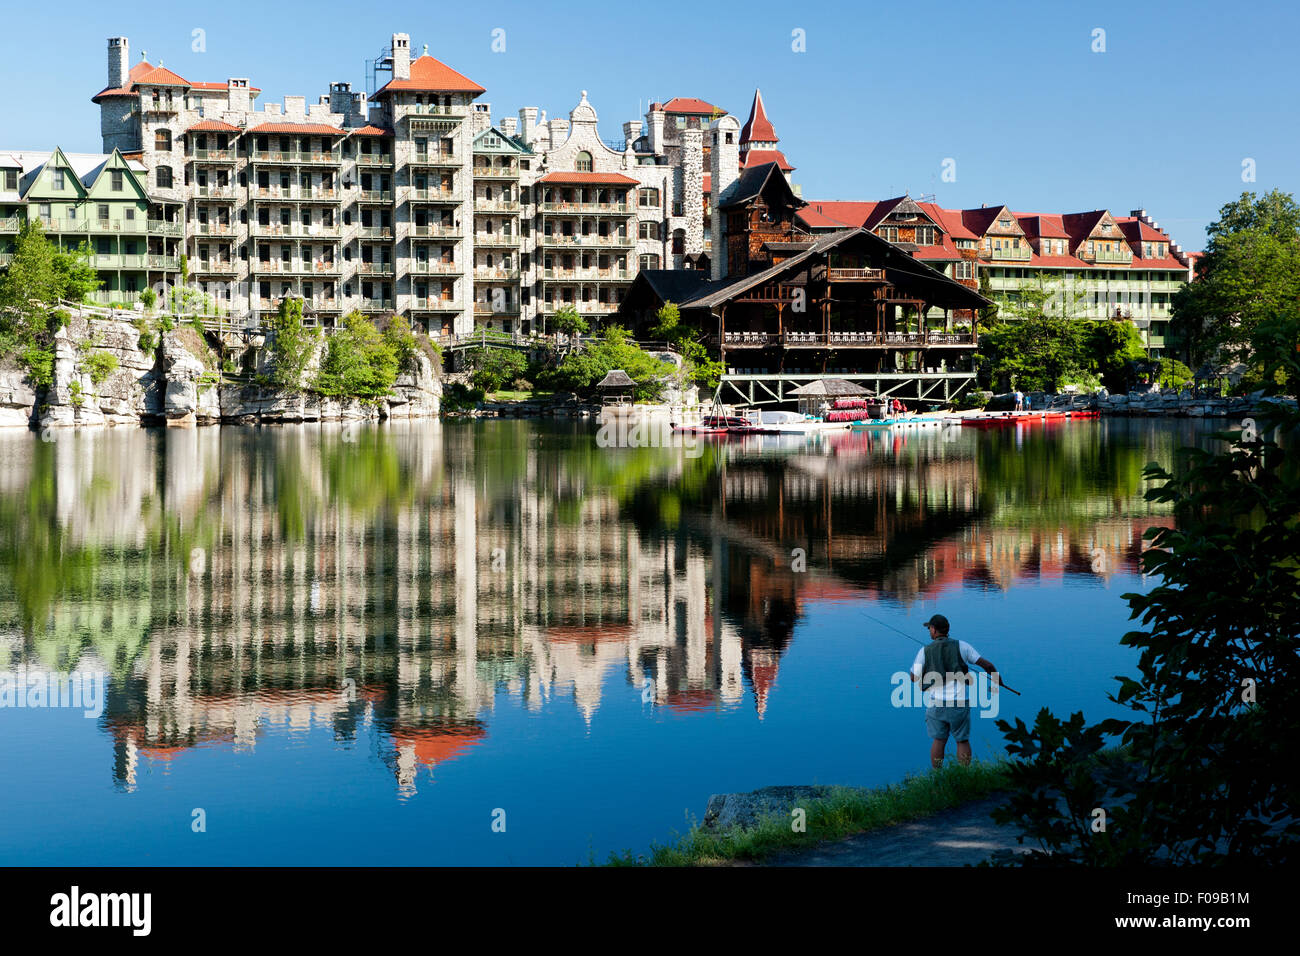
[947, 711]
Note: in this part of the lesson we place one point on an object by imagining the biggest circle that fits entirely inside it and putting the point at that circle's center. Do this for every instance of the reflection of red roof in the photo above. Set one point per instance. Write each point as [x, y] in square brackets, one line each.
[298, 129]
[689, 104]
[606, 179]
[435, 745]
[685, 701]
[589, 633]
[428, 74]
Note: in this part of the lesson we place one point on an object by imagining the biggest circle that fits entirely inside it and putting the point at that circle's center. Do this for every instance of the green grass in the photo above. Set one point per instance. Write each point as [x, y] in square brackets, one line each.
[845, 812]
[518, 396]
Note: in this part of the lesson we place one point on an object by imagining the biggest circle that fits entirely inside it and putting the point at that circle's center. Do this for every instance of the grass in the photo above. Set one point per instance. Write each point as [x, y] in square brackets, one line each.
[845, 812]
[519, 396]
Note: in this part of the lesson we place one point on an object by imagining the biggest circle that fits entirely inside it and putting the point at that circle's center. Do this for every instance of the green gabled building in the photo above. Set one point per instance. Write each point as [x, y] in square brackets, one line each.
[99, 199]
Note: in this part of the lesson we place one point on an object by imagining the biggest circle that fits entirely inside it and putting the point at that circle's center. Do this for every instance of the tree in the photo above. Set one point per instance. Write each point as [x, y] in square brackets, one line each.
[1250, 273]
[77, 277]
[493, 368]
[581, 371]
[359, 361]
[291, 344]
[668, 326]
[570, 322]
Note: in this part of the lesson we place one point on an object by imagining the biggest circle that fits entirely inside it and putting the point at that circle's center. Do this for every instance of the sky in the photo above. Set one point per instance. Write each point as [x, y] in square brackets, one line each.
[1176, 108]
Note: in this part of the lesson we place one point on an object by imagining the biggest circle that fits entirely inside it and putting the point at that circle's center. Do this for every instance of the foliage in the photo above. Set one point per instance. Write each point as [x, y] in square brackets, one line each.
[1249, 275]
[492, 368]
[291, 344]
[76, 276]
[74, 390]
[148, 298]
[569, 321]
[701, 369]
[99, 365]
[148, 341]
[459, 397]
[581, 371]
[399, 337]
[1215, 704]
[359, 361]
[1171, 373]
[39, 363]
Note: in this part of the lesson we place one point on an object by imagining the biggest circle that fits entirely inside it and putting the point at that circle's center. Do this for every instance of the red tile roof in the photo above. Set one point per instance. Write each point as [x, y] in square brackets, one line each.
[432, 75]
[845, 214]
[1038, 225]
[371, 130]
[220, 87]
[689, 104]
[758, 127]
[1135, 229]
[979, 220]
[949, 220]
[612, 179]
[757, 157]
[298, 129]
[212, 126]
[146, 74]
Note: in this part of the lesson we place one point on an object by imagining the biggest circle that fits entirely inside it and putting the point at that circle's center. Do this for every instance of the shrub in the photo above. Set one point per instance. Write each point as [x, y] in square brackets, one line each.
[149, 298]
[99, 365]
[492, 368]
[291, 344]
[39, 363]
[359, 361]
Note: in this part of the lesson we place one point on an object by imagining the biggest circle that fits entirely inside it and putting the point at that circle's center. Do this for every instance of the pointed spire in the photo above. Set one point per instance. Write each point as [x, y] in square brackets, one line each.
[758, 128]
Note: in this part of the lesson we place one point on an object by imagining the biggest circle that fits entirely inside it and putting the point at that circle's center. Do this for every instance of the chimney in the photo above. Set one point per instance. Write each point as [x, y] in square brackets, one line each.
[559, 131]
[509, 126]
[724, 170]
[528, 124]
[693, 189]
[119, 62]
[632, 130]
[655, 117]
[238, 94]
[401, 56]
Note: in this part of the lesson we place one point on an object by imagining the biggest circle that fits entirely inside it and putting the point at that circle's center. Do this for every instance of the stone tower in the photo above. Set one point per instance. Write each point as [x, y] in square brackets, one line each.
[724, 170]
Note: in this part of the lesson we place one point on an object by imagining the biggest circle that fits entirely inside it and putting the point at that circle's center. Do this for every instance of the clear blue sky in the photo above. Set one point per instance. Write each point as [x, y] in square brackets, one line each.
[1012, 92]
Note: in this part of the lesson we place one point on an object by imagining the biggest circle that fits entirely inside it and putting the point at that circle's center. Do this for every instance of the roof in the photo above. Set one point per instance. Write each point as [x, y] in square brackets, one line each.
[143, 73]
[1135, 229]
[757, 157]
[979, 220]
[1038, 225]
[617, 378]
[212, 126]
[432, 75]
[608, 179]
[828, 388]
[86, 166]
[370, 130]
[689, 104]
[754, 180]
[220, 87]
[674, 285]
[299, 129]
[758, 127]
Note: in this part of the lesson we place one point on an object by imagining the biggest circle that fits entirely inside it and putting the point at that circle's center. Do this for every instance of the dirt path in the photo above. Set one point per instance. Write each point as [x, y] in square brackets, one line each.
[958, 837]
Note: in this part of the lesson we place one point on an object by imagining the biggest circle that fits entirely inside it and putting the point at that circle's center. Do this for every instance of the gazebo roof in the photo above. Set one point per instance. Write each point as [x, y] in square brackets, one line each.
[828, 388]
[617, 378]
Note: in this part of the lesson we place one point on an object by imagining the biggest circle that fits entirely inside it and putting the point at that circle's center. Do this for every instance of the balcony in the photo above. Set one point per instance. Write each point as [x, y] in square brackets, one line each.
[584, 308]
[436, 267]
[212, 155]
[495, 205]
[371, 304]
[440, 196]
[119, 261]
[374, 159]
[495, 241]
[134, 226]
[294, 230]
[1007, 254]
[435, 304]
[495, 274]
[375, 196]
[436, 230]
[160, 227]
[300, 267]
[294, 157]
[215, 192]
[10, 224]
[214, 267]
[594, 208]
[839, 340]
[854, 275]
[212, 228]
[1113, 256]
[591, 273]
[485, 310]
[437, 160]
[432, 109]
[375, 232]
[375, 268]
[496, 172]
[589, 241]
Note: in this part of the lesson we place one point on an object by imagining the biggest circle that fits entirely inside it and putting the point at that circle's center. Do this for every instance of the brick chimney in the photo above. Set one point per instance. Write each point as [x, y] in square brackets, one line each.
[401, 56]
[119, 62]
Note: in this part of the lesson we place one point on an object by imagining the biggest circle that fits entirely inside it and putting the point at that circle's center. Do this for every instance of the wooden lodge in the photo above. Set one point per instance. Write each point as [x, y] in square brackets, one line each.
[789, 308]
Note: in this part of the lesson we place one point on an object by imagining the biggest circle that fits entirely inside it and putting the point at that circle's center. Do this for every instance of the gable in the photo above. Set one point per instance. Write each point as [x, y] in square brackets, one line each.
[101, 187]
[42, 186]
[492, 140]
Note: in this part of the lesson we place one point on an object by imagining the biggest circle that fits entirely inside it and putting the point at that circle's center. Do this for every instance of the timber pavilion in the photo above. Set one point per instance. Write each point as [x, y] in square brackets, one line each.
[792, 308]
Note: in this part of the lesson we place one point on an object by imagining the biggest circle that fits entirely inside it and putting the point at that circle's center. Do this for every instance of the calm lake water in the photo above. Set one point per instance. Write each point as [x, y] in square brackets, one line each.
[368, 647]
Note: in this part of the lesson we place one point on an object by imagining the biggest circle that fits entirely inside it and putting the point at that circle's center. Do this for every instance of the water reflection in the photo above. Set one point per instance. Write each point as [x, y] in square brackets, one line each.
[393, 589]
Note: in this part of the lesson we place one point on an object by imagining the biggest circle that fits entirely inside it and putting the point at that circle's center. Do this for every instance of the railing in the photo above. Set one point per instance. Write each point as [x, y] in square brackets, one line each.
[436, 267]
[434, 304]
[593, 272]
[135, 226]
[372, 304]
[292, 156]
[158, 227]
[212, 228]
[214, 155]
[584, 308]
[434, 109]
[495, 205]
[1008, 254]
[294, 230]
[433, 195]
[607, 208]
[494, 274]
[168, 263]
[496, 172]
[444, 160]
[375, 268]
[485, 309]
[10, 224]
[374, 159]
[497, 240]
[119, 261]
[854, 275]
[375, 232]
[375, 195]
[295, 268]
[215, 192]
[839, 339]
[590, 241]
[206, 267]
[437, 230]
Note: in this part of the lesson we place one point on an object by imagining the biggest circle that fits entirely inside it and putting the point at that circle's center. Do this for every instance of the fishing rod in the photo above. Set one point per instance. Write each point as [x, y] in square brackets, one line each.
[917, 640]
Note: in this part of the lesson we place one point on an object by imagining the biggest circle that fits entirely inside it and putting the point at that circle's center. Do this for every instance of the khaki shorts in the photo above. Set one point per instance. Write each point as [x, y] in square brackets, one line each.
[951, 721]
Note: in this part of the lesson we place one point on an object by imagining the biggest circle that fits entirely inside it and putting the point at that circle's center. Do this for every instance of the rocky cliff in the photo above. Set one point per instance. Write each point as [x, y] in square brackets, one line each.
[103, 376]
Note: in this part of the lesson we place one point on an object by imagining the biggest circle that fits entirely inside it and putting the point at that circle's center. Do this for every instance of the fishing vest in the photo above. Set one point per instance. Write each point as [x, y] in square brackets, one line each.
[942, 657]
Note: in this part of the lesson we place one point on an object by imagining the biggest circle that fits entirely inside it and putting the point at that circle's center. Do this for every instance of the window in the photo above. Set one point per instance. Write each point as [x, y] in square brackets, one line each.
[115, 177]
[649, 230]
[163, 177]
[584, 162]
[102, 212]
[649, 261]
[60, 179]
[648, 197]
[679, 242]
[11, 180]
[162, 141]
[128, 214]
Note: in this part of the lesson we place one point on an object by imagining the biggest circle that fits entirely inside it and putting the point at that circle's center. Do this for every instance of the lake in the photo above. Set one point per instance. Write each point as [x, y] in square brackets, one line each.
[501, 643]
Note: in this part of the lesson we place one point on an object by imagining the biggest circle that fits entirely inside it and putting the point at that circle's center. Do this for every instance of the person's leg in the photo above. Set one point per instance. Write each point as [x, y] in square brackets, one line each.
[936, 753]
[963, 752]
[961, 734]
[938, 730]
